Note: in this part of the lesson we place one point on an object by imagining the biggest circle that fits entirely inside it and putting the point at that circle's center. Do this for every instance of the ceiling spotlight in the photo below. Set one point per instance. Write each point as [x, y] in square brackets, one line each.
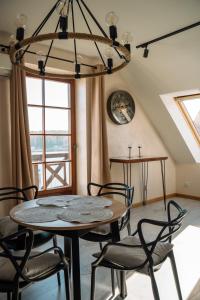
[146, 52]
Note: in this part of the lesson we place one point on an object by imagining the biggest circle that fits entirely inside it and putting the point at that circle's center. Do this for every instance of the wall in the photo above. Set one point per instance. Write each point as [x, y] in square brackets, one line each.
[138, 132]
[188, 176]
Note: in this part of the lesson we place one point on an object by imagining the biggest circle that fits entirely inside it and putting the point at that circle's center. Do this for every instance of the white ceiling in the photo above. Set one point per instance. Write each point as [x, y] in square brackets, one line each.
[173, 64]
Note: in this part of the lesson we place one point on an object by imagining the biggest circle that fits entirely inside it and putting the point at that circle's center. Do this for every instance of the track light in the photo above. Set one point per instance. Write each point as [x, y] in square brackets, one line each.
[146, 52]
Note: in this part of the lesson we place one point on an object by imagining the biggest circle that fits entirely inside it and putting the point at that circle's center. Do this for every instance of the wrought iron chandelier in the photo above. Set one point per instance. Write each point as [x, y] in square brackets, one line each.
[65, 10]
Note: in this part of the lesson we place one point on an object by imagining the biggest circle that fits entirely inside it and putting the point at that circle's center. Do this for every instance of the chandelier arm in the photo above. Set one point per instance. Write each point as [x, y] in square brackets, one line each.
[94, 19]
[99, 26]
[39, 28]
[52, 41]
[98, 50]
[73, 24]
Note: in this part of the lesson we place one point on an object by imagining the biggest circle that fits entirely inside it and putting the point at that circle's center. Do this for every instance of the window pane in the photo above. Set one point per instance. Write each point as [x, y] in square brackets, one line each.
[36, 148]
[56, 121]
[35, 119]
[193, 108]
[34, 90]
[38, 175]
[58, 175]
[57, 148]
[56, 93]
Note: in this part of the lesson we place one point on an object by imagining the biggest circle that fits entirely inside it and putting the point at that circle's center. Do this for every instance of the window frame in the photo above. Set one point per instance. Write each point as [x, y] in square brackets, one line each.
[179, 101]
[67, 189]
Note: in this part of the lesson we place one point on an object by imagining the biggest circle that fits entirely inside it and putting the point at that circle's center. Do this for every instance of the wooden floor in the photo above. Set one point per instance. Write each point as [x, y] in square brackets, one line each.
[187, 249]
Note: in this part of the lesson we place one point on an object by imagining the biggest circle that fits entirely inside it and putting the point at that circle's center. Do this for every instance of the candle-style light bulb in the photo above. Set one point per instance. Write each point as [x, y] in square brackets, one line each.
[111, 20]
[109, 55]
[62, 10]
[126, 40]
[21, 22]
[41, 61]
[79, 60]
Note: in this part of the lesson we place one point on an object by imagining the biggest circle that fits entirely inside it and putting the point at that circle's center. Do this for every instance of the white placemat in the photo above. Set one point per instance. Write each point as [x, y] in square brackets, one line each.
[38, 214]
[59, 201]
[91, 201]
[85, 215]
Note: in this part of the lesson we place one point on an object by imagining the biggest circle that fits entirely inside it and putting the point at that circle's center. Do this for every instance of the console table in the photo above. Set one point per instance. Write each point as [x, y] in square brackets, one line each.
[144, 161]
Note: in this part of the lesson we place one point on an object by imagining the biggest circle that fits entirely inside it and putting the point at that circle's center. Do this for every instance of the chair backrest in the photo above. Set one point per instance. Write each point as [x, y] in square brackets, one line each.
[18, 264]
[166, 229]
[114, 189]
[8, 193]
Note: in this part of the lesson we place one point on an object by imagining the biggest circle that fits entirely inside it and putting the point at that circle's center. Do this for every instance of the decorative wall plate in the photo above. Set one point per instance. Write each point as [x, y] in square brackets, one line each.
[120, 107]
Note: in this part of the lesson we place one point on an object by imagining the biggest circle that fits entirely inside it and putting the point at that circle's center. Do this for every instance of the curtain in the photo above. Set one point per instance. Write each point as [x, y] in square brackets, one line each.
[5, 143]
[99, 171]
[22, 173]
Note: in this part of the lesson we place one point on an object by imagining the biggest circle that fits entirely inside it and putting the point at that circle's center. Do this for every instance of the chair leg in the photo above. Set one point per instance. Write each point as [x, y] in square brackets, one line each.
[113, 281]
[8, 296]
[101, 246]
[123, 289]
[55, 244]
[67, 284]
[174, 269]
[93, 283]
[154, 285]
[129, 228]
[20, 296]
[15, 294]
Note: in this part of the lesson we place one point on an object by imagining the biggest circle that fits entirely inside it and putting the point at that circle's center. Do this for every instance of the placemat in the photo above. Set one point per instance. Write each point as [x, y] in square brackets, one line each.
[91, 201]
[85, 215]
[59, 201]
[38, 214]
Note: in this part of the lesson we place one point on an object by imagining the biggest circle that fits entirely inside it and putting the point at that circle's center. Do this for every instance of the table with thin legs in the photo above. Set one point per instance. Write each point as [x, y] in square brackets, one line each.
[144, 161]
[71, 233]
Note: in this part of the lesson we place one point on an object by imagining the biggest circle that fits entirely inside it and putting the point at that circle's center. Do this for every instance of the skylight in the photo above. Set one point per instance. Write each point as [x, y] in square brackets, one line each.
[190, 107]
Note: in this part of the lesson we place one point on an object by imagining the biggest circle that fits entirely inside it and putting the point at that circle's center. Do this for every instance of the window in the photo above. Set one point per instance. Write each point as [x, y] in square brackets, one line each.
[190, 107]
[52, 133]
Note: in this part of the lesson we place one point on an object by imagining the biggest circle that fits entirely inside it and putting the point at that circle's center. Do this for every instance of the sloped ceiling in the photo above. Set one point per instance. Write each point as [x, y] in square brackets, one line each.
[173, 64]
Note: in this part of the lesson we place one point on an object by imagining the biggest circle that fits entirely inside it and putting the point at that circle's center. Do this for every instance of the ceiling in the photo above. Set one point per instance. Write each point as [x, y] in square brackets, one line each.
[173, 64]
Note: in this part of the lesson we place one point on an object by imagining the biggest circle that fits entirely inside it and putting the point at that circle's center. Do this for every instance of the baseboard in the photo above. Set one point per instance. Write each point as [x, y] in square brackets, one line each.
[188, 196]
[153, 200]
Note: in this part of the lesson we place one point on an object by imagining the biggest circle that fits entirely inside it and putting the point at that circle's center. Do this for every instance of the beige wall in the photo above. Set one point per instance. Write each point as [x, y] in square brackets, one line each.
[138, 132]
[188, 179]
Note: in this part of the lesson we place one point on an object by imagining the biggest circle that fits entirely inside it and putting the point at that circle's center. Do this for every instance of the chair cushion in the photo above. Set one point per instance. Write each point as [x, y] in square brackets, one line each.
[38, 266]
[101, 229]
[7, 226]
[133, 258]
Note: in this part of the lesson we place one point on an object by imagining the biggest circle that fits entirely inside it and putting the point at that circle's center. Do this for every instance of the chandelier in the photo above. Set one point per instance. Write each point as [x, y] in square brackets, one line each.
[115, 57]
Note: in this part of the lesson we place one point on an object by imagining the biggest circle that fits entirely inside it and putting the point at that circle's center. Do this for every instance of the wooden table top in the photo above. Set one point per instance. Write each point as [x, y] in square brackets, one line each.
[137, 159]
[117, 207]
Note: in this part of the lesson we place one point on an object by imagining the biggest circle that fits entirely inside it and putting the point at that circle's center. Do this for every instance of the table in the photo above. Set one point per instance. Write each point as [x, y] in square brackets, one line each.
[72, 232]
[127, 162]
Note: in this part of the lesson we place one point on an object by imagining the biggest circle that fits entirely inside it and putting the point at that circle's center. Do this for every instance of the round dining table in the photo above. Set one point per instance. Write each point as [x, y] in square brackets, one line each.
[71, 232]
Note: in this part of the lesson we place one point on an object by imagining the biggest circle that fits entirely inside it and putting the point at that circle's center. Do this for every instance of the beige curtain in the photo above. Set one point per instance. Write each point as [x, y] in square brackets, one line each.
[98, 146]
[22, 174]
[5, 143]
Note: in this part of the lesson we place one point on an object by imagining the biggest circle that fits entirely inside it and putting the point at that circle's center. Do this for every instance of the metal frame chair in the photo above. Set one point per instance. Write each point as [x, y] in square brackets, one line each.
[24, 268]
[141, 255]
[40, 237]
[111, 189]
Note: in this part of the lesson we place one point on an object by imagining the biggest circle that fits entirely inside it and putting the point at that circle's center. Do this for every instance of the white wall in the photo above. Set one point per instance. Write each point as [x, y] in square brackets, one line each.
[188, 179]
[138, 132]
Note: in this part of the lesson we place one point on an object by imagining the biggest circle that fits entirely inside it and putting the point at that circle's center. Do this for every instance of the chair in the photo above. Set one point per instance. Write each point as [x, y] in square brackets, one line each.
[143, 255]
[7, 226]
[18, 269]
[103, 233]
